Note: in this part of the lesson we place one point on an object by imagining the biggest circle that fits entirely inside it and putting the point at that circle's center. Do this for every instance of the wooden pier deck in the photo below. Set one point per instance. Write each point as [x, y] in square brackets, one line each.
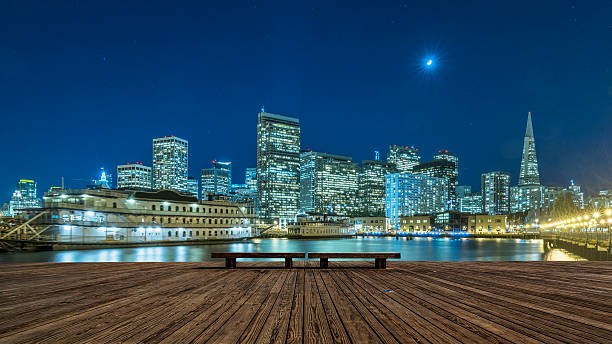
[410, 302]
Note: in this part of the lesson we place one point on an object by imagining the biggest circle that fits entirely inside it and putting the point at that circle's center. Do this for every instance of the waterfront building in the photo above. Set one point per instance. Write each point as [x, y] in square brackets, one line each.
[404, 158]
[444, 165]
[328, 183]
[416, 223]
[495, 192]
[451, 221]
[470, 203]
[278, 166]
[603, 200]
[134, 177]
[122, 216]
[170, 163]
[217, 179]
[24, 197]
[372, 186]
[410, 194]
[193, 188]
[488, 224]
[371, 224]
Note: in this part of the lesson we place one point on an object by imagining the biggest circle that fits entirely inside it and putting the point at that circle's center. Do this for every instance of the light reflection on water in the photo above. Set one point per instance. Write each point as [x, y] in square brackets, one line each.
[419, 249]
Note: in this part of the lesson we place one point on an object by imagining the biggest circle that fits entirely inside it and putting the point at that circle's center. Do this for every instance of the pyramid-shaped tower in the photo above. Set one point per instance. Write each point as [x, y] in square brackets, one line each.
[529, 165]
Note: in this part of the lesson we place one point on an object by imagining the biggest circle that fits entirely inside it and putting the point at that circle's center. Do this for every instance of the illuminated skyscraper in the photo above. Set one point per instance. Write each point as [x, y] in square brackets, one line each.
[372, 187]
[403, 157]
[411, 194]
[217, 179]
[193, 188]
[134, 177]
[278, 166]
[529, 174]
[170, 163]
[250, 179]
[328, 183]
[24, 197]
[496, 193]
[444, 165]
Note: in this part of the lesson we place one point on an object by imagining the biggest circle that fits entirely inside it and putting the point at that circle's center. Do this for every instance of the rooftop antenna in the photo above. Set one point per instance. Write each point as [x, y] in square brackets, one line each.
[263, 108]
[376, 155]
[62, 182]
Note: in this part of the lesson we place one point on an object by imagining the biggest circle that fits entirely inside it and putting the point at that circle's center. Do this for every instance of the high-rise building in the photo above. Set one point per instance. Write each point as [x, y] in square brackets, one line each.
[463, 190]
[170, 163]
[470, 203]
[577, 194]
[602, 200]
[134, 177]
[495, 193]
[278, 166]
[403, 157]
[328, 183]
[192, 187]
[217, 179]
[250, 179]
[410, 194]
[526, 197]
[372, 186]
[444, 165]
[24, 197]
[529, 174]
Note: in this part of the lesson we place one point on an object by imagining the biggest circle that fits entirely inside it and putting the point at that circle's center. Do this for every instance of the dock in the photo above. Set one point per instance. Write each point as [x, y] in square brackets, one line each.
[409, 302]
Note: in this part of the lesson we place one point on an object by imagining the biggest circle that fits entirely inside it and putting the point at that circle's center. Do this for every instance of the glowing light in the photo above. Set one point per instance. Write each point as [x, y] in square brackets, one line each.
[596, 214]
[609, 212]
[430, 62]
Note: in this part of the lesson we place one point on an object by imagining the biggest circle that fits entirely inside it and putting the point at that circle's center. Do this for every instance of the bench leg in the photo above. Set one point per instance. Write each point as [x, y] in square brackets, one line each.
[288, 263]
[230, 263]
[323, 264]
[380, 263]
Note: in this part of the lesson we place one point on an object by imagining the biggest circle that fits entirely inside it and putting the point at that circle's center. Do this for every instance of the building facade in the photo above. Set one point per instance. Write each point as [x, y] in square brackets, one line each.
[170, 163]
[488, 224]
[217, 179]
[470, 203]
[404, 158]
[411, 194]
[417, 223]
[444, 165]
[495, 193]
[24, 197]
[372, 186]
[193, 187]
[134, 177]
[278, 166]
[328, 184]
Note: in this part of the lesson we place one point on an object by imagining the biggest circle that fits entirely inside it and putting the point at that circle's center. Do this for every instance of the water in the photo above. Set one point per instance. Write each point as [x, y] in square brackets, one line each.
[420, 249]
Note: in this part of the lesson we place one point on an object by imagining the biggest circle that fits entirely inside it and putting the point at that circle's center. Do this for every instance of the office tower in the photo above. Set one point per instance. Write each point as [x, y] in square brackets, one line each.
[192, 187]
[278, 166]
[170, 163]
[529, 174]
[217, 179]
[412, 194]
[602, 200]
[528, 197]
[577, 194]
[495, 193]
[250, 179]
[328, 183]
[134, 177]
[470, 203]
[403, 157]
[24, 197]
[463, 190]
[444, 165]
[372, 187]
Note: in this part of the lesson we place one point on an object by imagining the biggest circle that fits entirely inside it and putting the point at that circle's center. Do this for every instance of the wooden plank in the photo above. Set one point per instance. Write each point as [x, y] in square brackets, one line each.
[258, 255]
[354, 255]
[316, 327]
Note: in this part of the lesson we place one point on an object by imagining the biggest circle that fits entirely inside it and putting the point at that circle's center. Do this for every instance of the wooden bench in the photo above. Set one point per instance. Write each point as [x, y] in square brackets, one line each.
[230, 257]
[380, 262]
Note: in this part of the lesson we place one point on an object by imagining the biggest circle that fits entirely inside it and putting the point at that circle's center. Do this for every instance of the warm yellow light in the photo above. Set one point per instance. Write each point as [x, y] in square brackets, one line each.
[596, 214]
[602, 221]
[579, 218]
[610, 220]
[586, 217]
[609, 212]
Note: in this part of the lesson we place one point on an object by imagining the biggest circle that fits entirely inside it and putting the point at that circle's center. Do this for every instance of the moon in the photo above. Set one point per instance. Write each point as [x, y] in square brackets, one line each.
[430, 62]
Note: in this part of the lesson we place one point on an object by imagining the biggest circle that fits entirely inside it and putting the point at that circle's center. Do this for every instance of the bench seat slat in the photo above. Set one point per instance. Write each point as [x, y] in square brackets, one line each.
[371, 255]
[258, 255]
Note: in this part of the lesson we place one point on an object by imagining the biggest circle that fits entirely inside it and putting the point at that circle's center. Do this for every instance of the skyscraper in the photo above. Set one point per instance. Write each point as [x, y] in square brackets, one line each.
[411, 194]
[372, 186]
[193, 187]
[250, 179]
[134, 177]
[495, 193]
[529, 174]
[24, 197]
[328, 183]
[278, 166]
[403, 157]
[444, 165]
[217, 179]
[170, 163]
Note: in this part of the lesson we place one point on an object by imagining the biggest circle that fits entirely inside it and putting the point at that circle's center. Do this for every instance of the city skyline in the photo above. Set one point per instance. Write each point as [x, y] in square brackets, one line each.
[137, 84]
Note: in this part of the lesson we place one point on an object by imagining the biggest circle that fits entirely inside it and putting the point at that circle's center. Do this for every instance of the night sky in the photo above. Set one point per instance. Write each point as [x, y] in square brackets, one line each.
[89, 84]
